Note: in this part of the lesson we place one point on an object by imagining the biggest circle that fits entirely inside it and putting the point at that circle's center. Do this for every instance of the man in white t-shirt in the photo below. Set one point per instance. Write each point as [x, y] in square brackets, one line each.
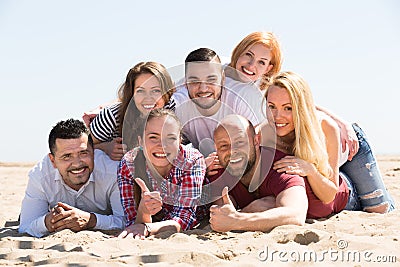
[207, 96]
[74, 187]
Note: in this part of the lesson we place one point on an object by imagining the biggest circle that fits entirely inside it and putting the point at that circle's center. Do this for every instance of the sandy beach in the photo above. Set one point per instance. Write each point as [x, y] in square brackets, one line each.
[347, 239]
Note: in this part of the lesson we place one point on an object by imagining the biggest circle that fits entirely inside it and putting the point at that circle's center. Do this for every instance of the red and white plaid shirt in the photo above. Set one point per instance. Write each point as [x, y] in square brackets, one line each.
[180, 190]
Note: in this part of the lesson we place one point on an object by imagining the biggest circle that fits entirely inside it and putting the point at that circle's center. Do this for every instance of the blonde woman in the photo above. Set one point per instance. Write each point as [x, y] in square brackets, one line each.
[258, 57]
[312, 139]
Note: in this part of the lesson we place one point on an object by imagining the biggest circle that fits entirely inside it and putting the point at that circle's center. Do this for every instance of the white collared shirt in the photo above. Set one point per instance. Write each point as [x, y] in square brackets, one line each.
[100, 195]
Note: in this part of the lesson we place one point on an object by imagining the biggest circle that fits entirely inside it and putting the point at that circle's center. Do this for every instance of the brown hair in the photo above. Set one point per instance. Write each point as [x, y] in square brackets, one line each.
[126, 91]
[140, 159]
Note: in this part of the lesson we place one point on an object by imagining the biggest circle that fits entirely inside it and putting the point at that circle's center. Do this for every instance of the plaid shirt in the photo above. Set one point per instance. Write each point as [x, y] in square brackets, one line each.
[180, 190]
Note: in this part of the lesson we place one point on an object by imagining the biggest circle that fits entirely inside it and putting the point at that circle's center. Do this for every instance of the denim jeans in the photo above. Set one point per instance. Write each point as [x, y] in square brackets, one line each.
[364, 178]
[353, 203]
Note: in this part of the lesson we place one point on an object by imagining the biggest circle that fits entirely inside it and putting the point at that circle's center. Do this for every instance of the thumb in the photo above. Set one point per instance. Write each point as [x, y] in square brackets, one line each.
[142, 185]
[225, 196]
[118, 140]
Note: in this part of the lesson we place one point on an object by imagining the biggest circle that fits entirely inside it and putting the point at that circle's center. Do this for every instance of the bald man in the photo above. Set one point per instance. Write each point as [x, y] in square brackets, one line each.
[259, 198]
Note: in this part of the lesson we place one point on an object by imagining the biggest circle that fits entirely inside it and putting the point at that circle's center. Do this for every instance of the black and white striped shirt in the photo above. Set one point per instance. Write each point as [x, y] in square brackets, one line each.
[104, 126]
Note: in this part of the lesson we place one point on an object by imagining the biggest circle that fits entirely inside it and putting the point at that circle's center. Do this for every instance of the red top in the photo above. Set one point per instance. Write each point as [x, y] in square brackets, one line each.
[274, 183]
[317, 209]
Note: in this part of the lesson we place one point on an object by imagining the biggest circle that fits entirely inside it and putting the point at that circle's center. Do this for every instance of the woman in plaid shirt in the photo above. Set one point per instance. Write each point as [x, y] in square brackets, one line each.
[171, 175]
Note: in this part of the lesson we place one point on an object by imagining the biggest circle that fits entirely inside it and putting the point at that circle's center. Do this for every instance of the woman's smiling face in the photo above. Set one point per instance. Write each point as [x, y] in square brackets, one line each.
[254, 62]
[279, 111]
[161, 142]
[147, 93]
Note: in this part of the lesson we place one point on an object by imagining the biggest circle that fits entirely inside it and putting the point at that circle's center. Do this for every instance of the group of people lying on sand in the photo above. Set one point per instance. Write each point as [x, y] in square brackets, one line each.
[242, 145]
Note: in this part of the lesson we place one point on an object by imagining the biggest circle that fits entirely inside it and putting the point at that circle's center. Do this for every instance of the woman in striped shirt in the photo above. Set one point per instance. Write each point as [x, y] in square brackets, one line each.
[148, 86]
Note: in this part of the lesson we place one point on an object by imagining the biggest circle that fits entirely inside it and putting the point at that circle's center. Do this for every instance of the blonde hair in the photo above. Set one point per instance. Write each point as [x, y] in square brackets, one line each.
[309, 138]
[269, 40]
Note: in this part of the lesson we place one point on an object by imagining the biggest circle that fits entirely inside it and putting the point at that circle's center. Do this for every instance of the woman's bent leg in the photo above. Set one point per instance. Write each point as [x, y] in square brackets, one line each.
[363, 171]
[353, 202]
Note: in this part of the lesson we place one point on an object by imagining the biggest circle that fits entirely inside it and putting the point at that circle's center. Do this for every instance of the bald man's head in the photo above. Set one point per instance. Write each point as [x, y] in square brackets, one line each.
[235, 123]
[234, 140]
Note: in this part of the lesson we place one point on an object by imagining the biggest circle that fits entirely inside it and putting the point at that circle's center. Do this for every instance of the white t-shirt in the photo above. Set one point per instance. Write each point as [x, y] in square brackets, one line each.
[342, 155]
[236, 98]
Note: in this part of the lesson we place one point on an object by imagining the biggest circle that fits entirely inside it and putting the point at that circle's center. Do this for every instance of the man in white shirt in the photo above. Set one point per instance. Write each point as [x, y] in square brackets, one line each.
[207, 96]
[74, 187]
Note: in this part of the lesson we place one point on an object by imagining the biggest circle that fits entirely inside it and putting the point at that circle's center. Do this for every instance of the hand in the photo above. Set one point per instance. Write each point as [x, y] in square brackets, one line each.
[348, 138]
[151, 202]
[260, 205]
[49, 219]
[136, 231]
[293, 165]
[72, 218]
[212, 163]
[115, 149]
[88, 117]
[222, 218]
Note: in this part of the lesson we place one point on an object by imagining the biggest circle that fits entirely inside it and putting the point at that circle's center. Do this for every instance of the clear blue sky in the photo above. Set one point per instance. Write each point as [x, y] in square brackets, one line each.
[61, 58]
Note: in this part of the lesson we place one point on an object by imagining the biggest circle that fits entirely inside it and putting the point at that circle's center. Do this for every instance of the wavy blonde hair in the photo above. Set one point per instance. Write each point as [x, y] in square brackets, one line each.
[309, 138]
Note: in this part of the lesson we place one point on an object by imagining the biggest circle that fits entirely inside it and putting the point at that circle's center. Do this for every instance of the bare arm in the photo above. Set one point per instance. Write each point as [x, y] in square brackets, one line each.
[347, 134]
[291, 208]
[261, 204]
[114, 149]
[324, 186]
[141, 231]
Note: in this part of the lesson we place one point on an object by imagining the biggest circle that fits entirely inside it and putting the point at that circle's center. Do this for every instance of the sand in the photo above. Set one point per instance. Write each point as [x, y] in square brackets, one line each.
[349, 238]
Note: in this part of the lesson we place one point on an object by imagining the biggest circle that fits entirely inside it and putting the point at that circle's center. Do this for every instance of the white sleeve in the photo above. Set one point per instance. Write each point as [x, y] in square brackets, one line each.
[34, 208]
[251, 104]
[117, 219]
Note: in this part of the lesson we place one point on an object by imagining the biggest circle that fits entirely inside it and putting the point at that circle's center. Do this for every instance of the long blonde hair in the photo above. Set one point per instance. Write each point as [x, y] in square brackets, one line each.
[309, 143]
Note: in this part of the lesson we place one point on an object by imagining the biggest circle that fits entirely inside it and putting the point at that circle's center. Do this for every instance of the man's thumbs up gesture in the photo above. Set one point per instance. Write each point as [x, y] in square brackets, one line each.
[151, 202]
[222, 218]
